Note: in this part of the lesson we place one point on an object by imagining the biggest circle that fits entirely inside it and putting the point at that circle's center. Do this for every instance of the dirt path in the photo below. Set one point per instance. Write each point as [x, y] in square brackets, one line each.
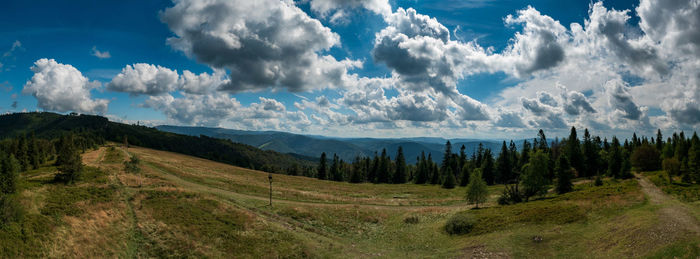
[672, 213]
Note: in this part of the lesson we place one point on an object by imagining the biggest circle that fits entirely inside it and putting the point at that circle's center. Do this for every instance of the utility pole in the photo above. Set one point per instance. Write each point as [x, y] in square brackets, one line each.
[269, 177]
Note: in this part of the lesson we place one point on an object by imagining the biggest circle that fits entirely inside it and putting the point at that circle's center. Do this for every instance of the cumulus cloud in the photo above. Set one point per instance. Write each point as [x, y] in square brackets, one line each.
[144, 78]
[674, 24]
[150, 79]
[100, 54]
[61, 87]
[264, 44]
[337, 8]
[510, 119]
[621, 101]
[203, 110]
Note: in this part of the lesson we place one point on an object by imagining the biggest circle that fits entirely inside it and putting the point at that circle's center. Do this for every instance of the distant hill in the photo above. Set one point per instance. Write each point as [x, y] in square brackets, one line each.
[345, 148]
[52, 125]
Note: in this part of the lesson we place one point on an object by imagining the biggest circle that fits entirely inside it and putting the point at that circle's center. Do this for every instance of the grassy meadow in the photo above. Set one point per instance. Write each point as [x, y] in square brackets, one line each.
[181, 206]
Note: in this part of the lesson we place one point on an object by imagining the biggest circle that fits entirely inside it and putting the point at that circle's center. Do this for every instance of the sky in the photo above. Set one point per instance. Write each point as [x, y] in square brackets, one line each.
[360, 68]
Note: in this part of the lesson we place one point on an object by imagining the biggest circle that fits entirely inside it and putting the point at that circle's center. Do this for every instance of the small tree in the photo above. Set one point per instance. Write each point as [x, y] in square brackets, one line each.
[322, 167]
[476, 190]
[450, 181]
[563, 172]
[534, 178]
[71, 165]
[132, 166]
[672, 167]
[9, 168]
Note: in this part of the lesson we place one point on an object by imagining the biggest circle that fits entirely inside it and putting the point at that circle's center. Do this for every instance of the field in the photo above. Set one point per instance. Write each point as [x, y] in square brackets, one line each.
[180, 206]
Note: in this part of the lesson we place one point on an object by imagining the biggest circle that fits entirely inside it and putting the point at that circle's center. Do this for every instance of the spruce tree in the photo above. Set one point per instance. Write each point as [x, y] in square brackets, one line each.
[488, 168]
[22, 154]
[504, 167]
[384, 164]
[356, 175]
[9, 169]
[450, 180]
[421, 170]
[34, 152]
[573, 151]
[400, 172]
[477, 192]
[590, 155]
[464, 175]
[615, 159]
[336, 174]
[71, 164]
[322, 167]
[446, 159]
[659, 140]
[694, 158]
[564, 175]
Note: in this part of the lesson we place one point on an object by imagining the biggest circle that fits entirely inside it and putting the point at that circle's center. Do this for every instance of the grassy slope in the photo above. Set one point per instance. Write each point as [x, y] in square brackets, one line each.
[185, 206]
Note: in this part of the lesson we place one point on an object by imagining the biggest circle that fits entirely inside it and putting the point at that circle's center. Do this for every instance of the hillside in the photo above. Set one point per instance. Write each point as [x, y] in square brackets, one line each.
[182, 206]
[345, 148]
[52, 125]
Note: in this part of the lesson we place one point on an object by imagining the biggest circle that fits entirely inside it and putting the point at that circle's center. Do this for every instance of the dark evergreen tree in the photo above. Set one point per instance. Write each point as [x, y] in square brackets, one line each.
[504, 167]
[464, 176]
[323, 167]
[336, 174]
[543, 145]
[446, 159]
[524, 155]
[615, 159]
[694, 158]
[488, 168]
[22, 154]
[356, 175]
[383, 172]
[590, 155]
[450, 180]
[564, 175]
[400, 172]
[434, 172]
[9, 170]
[573, 152]
[659, 141]
[71, 165]
[422, 170]
[462, 156]
[33, 152]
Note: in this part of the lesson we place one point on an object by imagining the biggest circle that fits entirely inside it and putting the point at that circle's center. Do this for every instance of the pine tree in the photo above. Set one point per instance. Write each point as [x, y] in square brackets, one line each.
[615, 159]
[573, 151]
[504, 167]
[9, 169]
[543, 144]
[22, 154]
[421, 170]
[450, 181]
[462, 156]
[34, 152]
[563, 172]
[383, 172]
[590, 155]
[488, 168]
[659, 140]
[434, 172]
[464, 175]
[524, 155]
[356, 175]
[477, 191]
[446, 159]
[694, 158]
[322, 167]
[71, 164]
[400, 173]
[336, 174]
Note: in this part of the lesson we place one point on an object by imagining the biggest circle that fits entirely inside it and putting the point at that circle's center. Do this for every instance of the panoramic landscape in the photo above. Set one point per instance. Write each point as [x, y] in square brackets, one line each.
[350, 129]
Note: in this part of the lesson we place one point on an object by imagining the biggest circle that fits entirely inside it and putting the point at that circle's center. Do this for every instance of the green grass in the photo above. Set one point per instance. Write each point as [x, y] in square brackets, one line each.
[683, 191]
[189, 207]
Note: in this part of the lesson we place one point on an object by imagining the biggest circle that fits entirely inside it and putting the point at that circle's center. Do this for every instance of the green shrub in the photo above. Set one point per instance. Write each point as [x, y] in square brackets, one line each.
[460, 224]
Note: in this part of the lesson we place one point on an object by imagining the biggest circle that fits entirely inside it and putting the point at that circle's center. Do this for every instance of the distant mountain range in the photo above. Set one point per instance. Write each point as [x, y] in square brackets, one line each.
[345, 148]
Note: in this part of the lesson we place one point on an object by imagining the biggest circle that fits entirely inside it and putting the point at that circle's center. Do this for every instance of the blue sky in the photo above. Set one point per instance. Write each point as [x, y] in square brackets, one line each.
[475, 68]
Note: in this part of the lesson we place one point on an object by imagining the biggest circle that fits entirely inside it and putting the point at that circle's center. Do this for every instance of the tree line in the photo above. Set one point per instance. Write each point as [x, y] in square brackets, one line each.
[538, 164]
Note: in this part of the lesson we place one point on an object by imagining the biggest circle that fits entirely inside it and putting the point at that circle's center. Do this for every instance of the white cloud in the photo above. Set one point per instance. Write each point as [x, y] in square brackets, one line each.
[100, 54]
[146, 79]
[62, 88]
[337, 8]
[264, 44]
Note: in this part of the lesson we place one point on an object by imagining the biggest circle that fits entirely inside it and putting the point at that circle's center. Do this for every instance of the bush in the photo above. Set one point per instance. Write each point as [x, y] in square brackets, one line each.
[10, 209]
[460, 224]
[646, 158]
[511, 195]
